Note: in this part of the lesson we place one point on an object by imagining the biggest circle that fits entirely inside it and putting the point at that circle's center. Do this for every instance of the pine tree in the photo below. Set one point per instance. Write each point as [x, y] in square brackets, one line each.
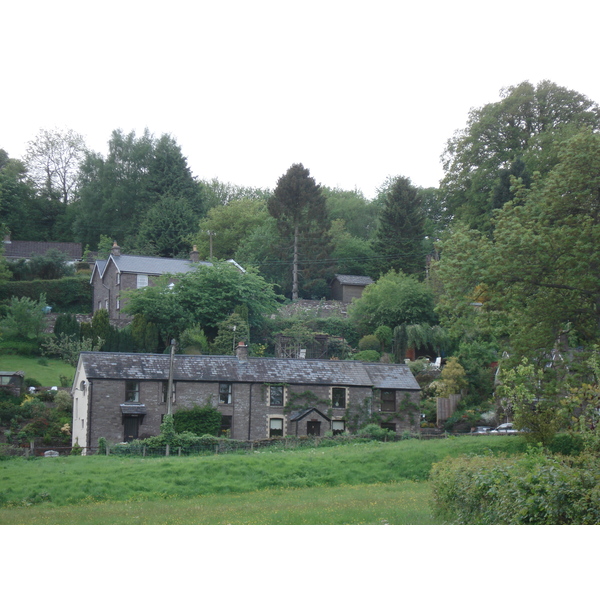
[401, 230]
[299, 207]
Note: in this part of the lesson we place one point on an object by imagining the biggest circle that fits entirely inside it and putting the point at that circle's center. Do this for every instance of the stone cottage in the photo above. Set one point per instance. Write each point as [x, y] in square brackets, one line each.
[122, 396]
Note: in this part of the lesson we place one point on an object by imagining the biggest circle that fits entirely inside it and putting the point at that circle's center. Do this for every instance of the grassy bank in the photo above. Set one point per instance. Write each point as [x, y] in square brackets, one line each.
[81, 480]
[47, 374]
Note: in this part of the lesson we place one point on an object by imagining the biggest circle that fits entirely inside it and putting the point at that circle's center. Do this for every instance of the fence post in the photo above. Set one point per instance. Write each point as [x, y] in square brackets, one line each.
[179, 451]
[144, 451]
[167, 449]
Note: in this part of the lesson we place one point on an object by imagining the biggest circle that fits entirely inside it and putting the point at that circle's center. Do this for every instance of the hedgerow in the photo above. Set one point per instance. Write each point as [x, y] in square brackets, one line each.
[534, 489]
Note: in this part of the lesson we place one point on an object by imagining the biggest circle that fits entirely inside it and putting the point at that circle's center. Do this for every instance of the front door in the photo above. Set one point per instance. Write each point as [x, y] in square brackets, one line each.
[313, 428]
[131, 428]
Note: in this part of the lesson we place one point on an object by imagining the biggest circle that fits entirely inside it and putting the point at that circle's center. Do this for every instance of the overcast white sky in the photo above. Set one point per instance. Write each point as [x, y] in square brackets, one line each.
[356, 91]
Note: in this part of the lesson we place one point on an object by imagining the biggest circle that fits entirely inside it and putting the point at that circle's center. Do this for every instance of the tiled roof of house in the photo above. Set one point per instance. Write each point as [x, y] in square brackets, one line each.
[20, 249]
[116, 365]
[354, 280]
[153, 265]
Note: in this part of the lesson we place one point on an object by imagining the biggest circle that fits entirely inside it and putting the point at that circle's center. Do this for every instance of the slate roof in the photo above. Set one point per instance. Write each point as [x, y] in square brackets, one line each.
[149, 265]
[299, 415]
[117, 365]
[354, 280]
[152, 265]
[16, 249]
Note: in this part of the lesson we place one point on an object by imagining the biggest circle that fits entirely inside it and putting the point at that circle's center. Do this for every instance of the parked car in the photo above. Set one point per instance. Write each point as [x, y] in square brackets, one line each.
[505, 428]
[481, 430]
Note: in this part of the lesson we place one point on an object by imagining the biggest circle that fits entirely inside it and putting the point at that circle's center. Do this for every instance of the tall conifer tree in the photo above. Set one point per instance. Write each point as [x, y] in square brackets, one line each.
[299, 207]
[401, 229]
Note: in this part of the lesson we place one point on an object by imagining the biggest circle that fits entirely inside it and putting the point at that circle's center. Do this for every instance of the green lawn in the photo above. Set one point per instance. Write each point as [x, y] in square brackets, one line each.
[403, 503]
[48, 375]
[363, 483]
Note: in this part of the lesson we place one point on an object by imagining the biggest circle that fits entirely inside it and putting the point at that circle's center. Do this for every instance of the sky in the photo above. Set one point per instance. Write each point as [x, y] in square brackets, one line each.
[355, 91]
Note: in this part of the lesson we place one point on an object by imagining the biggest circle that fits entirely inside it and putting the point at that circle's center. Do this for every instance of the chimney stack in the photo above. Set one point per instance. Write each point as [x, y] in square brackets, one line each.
[242, 352]
[115, 250]
[194, 255]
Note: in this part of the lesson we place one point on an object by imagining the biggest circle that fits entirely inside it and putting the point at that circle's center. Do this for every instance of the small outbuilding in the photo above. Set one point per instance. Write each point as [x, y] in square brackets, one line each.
[345, 288]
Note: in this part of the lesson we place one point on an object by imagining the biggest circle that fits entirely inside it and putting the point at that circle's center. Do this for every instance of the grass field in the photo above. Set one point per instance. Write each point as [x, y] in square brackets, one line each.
[366, 483]
[404, 503]
[48, 375]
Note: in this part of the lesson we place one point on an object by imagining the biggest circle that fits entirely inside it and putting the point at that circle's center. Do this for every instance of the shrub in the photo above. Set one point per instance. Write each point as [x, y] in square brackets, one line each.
[536, 489]
[20, 348]
[369, 342]
[568, 444]
[64, 402]
[199, 420]
[68, 294]
[367, 356]
[376, 432]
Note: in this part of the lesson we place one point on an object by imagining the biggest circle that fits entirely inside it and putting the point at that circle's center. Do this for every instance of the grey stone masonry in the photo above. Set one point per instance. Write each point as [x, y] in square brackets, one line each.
[259, 395]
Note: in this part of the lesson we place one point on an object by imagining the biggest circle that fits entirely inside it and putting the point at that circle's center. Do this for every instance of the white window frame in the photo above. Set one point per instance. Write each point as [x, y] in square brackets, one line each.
[229, 393]
[283, 394]
[132, 393]
[338, 430]
[141, 281]
[339, 387]
[275, 418]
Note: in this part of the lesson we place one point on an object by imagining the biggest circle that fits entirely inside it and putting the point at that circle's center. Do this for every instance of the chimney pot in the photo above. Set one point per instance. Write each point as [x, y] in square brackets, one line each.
[115, 250]
[194, 256]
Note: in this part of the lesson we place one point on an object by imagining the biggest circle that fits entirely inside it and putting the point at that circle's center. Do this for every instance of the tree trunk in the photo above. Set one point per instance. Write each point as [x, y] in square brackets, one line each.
[295, 267]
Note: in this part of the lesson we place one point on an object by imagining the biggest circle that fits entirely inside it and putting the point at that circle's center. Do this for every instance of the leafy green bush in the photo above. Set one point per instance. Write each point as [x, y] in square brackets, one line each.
[376, 432]
[568, 444]
[536, 489]
[199, 420]
[369, 342]
[367, 356]
[69, 294]
[20, 348]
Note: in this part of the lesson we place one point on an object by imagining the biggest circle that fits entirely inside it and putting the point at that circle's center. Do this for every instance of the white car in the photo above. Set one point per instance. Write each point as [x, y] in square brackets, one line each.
[505, 428]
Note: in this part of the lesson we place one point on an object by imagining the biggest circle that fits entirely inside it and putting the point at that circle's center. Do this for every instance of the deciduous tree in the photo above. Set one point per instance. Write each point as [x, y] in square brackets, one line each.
[53, 158]
[395, 298]
[523, 126]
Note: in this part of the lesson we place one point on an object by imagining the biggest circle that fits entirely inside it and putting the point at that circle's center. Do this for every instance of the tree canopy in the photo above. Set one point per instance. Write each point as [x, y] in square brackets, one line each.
[523, 126]
[204, 298]
[539, 276]
[395, 298]
[117, 192]
[299, 207]
[399, 241]
[53, 159]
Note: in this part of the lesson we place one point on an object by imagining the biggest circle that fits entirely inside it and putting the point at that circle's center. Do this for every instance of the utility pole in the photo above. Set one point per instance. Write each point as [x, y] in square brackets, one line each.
[170, 389]
[210, 237]
[170, 384]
